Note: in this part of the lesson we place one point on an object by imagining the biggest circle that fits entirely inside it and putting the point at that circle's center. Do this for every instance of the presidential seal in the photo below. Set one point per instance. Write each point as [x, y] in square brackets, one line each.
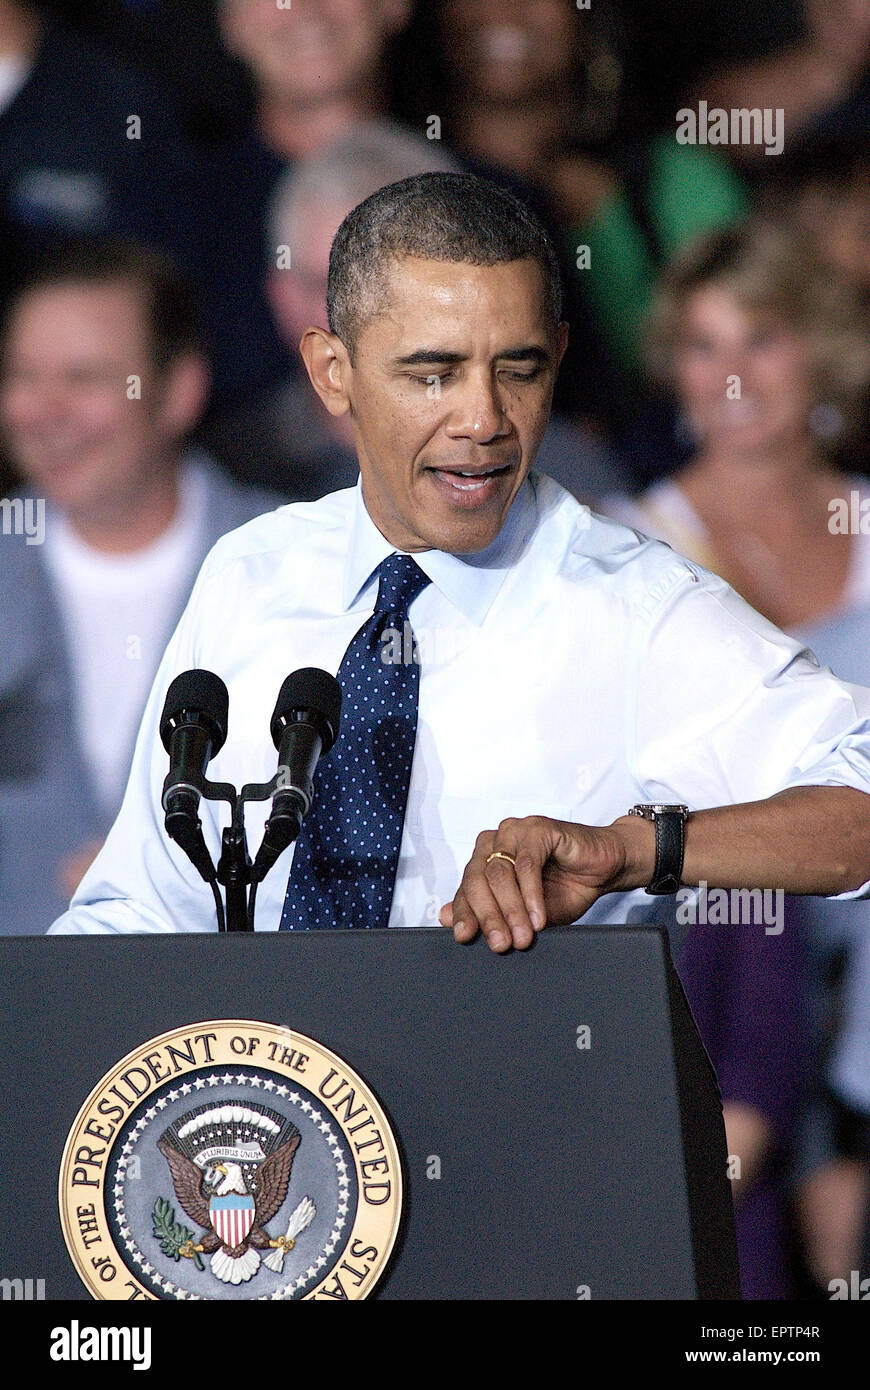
[230, 1159]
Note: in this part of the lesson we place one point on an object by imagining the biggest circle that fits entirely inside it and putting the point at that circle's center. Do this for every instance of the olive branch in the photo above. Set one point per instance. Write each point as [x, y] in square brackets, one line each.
[173, 1237]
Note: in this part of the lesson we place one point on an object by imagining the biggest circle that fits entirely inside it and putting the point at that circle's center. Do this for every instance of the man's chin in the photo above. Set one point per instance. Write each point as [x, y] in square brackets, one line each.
[465, 533]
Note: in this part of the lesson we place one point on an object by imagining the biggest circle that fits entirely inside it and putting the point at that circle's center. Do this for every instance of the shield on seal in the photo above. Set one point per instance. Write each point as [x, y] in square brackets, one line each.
[232, 1217]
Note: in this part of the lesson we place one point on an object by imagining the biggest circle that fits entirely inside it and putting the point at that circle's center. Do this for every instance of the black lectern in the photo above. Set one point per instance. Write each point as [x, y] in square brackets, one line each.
[557, 1122]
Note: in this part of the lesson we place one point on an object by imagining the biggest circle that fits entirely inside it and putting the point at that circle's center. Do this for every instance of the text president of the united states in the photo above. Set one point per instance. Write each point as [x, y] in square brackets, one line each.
[568, 670]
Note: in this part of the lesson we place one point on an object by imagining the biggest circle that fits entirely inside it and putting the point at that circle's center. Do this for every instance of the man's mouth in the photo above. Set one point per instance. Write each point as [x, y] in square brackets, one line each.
[471, 480]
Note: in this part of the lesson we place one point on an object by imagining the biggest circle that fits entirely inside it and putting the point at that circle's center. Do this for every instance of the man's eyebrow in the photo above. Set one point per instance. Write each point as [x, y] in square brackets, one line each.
[525, 354]
[430, 356]
[426, 355]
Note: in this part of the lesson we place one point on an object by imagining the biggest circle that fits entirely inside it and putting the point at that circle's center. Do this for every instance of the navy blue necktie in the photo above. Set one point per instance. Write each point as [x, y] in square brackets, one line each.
[344, 865]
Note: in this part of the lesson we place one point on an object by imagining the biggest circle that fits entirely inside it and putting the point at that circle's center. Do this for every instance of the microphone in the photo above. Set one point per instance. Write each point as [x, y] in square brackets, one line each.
[193, 729]
[304, 727]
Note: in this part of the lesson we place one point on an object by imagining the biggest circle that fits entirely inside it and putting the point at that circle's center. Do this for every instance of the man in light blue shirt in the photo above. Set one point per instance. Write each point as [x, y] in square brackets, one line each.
[568, 667]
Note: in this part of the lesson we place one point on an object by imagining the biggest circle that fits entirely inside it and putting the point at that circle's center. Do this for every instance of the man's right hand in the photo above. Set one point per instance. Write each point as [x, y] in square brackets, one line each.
[532, 871]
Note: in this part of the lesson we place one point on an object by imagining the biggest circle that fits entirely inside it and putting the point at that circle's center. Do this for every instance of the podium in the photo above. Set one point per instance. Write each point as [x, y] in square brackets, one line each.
[558, 1127]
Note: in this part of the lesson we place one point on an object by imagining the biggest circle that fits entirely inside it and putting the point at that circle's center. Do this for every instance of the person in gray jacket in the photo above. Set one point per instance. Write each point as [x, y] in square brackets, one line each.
[102, 378]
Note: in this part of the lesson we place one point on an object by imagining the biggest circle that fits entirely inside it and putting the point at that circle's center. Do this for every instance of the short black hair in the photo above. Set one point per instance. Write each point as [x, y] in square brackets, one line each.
[169, 303]
[436, 217]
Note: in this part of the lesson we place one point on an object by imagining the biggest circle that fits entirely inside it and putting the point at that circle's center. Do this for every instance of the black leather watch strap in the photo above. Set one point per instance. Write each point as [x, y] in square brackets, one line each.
[670, 848]
[670, 821]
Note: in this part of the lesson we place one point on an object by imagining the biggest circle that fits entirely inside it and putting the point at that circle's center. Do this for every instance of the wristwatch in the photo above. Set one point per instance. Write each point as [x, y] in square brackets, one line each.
[669, 822]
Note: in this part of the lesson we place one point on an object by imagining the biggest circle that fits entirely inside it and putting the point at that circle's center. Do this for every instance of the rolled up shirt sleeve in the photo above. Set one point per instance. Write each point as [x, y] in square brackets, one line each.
[728, 709]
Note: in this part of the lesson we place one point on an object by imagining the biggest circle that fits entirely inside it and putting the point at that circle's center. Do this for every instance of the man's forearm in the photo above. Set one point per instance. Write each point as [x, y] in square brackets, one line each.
[804, 840]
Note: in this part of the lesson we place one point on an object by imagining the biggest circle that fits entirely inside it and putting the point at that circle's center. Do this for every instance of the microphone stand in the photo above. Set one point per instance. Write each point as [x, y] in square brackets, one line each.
[234, 868]
[234, 865]
[234, 872]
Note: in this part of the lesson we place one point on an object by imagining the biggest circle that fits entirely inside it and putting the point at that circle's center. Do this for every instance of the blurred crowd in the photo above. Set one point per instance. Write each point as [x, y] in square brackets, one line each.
[171, 177]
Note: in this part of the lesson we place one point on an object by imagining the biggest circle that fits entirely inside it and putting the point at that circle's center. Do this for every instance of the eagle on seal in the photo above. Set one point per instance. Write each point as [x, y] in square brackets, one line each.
[231, 1168]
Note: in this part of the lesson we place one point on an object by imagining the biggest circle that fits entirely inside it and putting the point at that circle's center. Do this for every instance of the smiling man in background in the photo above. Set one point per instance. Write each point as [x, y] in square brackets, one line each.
[563, 670]
[102, 377]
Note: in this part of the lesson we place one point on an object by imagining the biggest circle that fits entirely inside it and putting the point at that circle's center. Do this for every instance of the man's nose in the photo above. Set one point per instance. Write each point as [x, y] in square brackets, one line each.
[48, 389]
[478, 411]
[54, 404]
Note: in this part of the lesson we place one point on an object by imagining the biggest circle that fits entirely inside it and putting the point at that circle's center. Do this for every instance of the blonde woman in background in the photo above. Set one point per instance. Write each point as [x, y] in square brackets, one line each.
[768, 355]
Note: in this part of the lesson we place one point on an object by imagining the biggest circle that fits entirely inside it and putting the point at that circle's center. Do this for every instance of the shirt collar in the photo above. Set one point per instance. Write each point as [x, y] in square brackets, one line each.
[470, 582]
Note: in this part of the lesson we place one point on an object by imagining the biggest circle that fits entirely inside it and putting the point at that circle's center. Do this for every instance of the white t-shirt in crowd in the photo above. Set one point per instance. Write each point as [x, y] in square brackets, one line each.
[118, 612]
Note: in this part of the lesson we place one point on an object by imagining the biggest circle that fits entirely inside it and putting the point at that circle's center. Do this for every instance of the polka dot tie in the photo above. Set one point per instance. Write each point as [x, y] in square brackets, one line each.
[344, 865]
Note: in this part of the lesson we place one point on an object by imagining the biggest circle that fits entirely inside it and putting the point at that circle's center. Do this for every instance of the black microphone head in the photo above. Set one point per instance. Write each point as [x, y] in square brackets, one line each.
[204, 693]
[315, 692]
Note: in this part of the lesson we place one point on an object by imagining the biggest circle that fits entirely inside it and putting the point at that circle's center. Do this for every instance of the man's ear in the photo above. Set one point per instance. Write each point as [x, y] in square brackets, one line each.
[329, 367]
[185, 388]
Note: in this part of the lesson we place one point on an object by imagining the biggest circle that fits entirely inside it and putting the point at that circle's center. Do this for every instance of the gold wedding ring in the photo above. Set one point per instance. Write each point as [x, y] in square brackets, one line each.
[501, 854]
